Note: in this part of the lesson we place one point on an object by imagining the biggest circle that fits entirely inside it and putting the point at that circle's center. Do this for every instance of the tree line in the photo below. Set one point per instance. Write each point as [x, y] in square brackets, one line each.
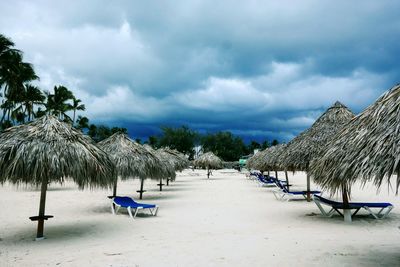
[224, 144]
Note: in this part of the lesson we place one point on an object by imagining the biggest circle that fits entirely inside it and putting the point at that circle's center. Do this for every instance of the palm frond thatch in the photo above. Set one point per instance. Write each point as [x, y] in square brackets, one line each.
[208, 160]
[50, 150]
[270, 160]
[367, 148]
[132, 159]
[253, 161]
[177, 159]
[166, 166]
[312, 142]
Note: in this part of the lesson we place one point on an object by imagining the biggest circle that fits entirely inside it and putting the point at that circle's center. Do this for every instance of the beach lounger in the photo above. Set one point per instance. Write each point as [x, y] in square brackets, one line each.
[253, 175]
[268, 181]
[130, 204]
[282, 193]
[383, 209]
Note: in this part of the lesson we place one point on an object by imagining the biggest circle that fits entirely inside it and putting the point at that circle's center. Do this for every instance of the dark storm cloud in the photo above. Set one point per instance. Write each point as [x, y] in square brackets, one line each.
[260, 69]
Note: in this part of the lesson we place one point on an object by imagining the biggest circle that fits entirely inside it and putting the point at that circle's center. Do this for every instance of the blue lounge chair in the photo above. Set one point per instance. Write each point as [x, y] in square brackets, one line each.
[268, 181]
[130, 204]
[384, 208]
[253, 175]
[282, 193]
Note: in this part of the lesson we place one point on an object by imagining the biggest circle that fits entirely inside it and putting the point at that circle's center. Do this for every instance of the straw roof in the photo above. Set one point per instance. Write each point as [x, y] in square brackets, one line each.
[166, 166]
[270, 160]
[132, 159]
[48, 149]
[368, 148]
[254, 162]
[312, 142]
[177, 159]
[208, 160]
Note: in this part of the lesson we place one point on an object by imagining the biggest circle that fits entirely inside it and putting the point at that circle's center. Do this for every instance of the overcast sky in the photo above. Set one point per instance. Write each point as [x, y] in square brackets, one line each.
[261, 69]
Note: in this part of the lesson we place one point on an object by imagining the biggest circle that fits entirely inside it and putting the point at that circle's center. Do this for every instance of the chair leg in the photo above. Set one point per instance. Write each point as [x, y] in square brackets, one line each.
[155, 214]
[387, 212]
[276, 194]
[322, 210]
[136, 212]
[112, 208]
[380, 214]
[130, 213]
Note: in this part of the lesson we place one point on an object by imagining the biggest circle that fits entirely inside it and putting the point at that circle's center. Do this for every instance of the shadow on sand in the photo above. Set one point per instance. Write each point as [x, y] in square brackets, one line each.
[56, 233]
[50, 189]
[214, 178]
[360, 218]
[170, 188]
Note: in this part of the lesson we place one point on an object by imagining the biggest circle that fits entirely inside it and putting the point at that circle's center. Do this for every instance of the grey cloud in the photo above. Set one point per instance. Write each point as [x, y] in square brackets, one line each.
[256, 67]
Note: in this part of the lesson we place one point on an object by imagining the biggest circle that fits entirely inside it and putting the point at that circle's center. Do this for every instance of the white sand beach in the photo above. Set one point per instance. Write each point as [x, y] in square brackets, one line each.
[224, 221]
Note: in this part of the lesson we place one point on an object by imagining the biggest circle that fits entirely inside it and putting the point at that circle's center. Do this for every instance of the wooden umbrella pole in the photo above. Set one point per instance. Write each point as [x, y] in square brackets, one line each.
[276, 174]
[141, 187]
[346, 210]
[308, 187]
[115, 189]
[161, 184]
[167, 181]
[208, 173]
[287, 181]
[268, 173]
[42, 206]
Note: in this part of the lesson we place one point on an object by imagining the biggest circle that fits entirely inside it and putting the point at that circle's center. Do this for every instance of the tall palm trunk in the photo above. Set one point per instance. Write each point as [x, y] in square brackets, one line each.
[73, 118]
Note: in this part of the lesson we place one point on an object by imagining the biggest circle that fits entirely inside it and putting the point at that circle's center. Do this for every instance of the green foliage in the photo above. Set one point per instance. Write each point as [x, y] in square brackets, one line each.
[253, 145]
[82, 123]
[181, 139]
[274, 142]
[101, 132]
[15, 75]
[225, 145]
[58, 102]
[153, 141]
[265, 144]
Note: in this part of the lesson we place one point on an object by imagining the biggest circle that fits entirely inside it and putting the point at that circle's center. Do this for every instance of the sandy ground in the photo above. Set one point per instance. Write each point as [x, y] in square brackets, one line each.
[224, 221]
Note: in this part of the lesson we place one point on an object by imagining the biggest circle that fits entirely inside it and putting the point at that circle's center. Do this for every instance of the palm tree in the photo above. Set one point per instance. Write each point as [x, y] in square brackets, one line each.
[82, 123]
[14, 74]
[57, 103]
[76, 105]
[32, 96]
[7, 107]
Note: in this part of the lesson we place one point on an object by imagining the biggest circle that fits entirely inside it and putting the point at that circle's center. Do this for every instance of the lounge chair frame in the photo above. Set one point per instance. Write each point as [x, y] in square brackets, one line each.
[132, 211]
[282, 193]
[382, 213]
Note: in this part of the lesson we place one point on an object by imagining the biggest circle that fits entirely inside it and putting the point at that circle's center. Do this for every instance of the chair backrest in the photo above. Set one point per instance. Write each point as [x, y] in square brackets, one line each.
[123, 200]
[280, 185]
[328, 201]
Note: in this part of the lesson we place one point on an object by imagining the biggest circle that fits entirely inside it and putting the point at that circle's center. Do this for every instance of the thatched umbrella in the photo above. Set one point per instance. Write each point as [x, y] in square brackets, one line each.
[175, 158]
[179, 160]
[250, 161]
[208, 161]
[255, 161]
[312, 142]
[48, 150]
[367, 148]
[131, 159]
[166, 166]
[270, 160]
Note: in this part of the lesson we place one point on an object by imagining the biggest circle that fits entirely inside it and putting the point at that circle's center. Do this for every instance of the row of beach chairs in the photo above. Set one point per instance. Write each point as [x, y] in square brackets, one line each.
[281, 192]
